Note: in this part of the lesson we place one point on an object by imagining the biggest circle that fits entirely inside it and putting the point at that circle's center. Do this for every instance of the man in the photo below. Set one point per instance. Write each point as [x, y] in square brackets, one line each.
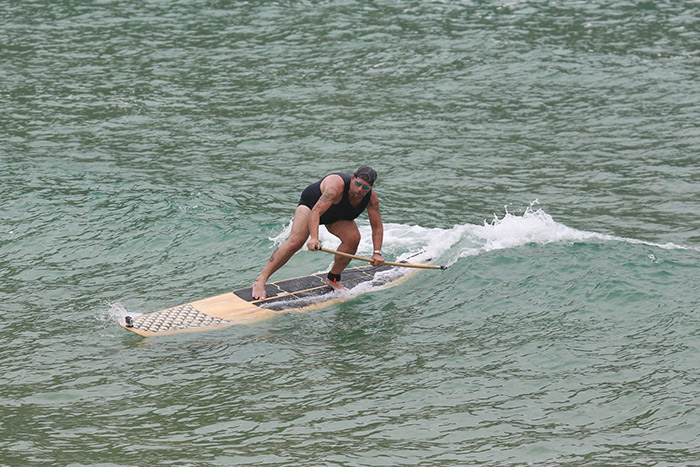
[334, 201]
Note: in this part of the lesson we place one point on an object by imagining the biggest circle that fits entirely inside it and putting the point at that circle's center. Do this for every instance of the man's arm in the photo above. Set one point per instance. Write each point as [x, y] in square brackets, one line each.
[331, 192]
[375, 221]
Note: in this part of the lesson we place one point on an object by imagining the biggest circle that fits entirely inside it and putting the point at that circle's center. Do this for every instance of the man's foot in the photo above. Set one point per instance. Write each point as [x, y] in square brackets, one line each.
[337, 286]
[259, 289]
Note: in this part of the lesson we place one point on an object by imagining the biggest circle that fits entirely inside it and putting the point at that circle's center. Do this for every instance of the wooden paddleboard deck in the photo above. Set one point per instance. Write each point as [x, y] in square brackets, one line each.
[239, 306]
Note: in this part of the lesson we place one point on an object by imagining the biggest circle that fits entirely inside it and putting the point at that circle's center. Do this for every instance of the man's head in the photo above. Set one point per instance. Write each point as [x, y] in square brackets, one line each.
[366, 174]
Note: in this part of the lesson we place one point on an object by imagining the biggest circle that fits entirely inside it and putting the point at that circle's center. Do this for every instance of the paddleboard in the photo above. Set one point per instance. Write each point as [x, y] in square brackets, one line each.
[239, 306]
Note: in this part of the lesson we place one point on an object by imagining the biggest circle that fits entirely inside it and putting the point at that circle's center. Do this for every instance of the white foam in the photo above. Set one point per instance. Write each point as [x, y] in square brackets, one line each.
[117, 312]
[282, 236]
[534, 226]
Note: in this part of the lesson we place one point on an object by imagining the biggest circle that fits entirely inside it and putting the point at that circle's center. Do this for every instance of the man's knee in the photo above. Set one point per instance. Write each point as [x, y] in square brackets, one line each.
[347, 232]
[296, 243]
[352, 239]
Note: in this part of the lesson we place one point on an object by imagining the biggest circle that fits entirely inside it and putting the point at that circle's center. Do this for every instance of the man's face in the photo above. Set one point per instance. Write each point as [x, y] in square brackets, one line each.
[359, 187]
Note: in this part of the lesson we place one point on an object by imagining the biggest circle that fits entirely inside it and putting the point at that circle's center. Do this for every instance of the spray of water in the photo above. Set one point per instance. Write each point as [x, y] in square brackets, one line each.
[447, 246]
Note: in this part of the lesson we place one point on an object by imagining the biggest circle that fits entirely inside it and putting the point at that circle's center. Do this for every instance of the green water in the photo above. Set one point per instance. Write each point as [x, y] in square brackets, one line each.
[152, 153]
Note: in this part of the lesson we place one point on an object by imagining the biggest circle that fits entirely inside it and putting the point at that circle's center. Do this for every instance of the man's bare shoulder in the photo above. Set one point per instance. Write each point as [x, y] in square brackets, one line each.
[334, 182]
[334, 179]
[331, 191]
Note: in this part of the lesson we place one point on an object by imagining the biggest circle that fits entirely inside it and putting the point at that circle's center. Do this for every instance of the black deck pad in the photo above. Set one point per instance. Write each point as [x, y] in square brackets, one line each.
[285, 294]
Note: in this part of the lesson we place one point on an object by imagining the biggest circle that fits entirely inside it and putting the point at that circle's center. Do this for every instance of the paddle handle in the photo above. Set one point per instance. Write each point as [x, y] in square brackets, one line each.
[390, 263]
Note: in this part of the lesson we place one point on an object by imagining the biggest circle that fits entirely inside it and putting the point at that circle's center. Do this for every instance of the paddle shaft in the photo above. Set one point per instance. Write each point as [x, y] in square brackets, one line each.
[390, 263]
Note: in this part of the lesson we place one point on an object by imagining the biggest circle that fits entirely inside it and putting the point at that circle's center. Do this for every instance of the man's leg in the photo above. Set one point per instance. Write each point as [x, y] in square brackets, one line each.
[349, 235]
[297, 239]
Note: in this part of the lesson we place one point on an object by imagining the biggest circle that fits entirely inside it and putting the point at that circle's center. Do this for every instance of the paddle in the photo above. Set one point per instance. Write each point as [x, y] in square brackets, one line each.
[369, 260]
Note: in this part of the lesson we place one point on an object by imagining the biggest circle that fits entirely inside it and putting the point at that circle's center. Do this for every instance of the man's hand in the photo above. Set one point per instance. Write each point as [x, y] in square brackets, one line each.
[377, 260]
[314, 244]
